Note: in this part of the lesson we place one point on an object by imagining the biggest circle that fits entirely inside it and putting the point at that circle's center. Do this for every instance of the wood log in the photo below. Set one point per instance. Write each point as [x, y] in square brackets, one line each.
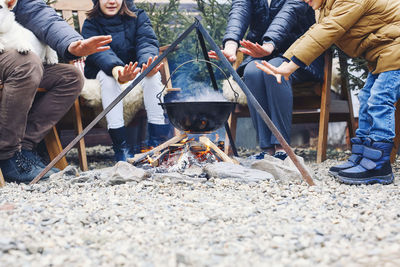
[157, 161]
[216, 149]
[139, 157]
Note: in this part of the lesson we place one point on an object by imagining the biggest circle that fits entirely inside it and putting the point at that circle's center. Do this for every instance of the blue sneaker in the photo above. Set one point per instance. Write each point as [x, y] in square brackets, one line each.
[374, 166]
[20, 169]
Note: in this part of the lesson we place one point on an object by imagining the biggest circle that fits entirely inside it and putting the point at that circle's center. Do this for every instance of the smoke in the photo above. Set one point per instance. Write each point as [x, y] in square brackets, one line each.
[199, 92]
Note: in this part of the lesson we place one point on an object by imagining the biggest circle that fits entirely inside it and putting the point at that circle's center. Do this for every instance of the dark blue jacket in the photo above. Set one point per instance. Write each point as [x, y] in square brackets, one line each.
[282, 23]
[133, 39]
[47, 25]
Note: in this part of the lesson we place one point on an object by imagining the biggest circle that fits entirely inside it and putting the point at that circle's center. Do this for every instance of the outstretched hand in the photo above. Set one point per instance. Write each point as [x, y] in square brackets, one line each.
[155, 69]
[128, 73]
[90, 46]
[231, 57]
[229, 51]
[255, 50]
[285, 69]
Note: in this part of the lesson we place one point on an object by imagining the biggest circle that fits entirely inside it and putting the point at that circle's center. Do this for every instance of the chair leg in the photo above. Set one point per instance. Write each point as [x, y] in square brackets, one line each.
[2, 182]
[346, 95]
[54, 148]
[324, 112]
[79, 129]
[397, 131]
[323, 134]
[232, 122]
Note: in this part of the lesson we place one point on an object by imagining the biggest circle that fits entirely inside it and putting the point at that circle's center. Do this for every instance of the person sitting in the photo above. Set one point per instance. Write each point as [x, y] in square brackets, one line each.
[23, 121]
[361, 28]
[134, 41]
[272, 27]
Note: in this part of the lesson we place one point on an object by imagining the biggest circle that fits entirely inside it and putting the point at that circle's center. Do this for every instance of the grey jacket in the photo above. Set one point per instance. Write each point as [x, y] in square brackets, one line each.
[47, 25]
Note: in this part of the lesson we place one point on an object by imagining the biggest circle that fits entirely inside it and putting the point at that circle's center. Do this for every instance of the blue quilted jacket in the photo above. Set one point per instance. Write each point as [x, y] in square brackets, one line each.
[282, 23]
[47, 25]
[133, 40]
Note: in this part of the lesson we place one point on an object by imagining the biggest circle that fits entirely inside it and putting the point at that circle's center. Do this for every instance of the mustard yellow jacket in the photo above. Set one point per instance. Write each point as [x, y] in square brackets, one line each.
[361, 28]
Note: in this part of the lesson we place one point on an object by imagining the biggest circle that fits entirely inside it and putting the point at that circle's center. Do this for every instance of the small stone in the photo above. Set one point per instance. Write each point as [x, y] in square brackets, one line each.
[80, 179]
[70, 172]
[124, 172]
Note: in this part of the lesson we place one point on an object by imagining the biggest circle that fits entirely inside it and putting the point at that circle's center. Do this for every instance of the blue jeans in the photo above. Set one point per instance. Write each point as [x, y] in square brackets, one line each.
[276, 99]
[377, 106]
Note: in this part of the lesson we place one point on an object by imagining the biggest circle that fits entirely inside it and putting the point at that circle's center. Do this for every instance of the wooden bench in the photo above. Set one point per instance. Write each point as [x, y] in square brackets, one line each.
[312, 102]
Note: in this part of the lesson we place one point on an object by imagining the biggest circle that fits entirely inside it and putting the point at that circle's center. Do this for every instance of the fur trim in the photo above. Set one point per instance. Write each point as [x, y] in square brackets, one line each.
[115, 72]
[132, 102]
[336, 79]
[228, 93]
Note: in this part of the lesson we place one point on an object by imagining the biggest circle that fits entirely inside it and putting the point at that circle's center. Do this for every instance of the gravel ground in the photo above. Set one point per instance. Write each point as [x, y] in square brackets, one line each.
[219, 222]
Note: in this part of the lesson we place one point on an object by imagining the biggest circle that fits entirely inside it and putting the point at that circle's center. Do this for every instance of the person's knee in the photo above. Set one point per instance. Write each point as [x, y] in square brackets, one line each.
[74, 79]
[276, 61]
[252, 73]
[152, 83]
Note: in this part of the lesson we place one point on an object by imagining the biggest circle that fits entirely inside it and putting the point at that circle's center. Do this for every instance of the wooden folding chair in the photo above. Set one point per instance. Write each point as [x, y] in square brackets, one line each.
[312, 103]
[67, 9]
[53, 143]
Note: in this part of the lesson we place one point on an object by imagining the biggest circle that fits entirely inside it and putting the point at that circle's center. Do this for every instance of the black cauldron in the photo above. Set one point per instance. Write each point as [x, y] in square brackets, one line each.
[201, 116]
[198, 117]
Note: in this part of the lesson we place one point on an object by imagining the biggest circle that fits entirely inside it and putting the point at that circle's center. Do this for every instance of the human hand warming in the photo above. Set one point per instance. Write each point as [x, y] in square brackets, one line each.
[128, 73]
[90, 46]
[285, 69]
[155, 69]
[255, 50]
[229, 51]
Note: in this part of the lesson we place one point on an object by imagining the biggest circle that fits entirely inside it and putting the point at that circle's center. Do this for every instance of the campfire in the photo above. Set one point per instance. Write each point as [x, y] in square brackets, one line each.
[193, 117]
[181, 152]
[195, 114]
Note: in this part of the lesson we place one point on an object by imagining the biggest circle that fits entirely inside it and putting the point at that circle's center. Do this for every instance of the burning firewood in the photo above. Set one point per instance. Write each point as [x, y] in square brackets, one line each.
[157, 160]
[219, 152]
[182, 163]
[139, 157]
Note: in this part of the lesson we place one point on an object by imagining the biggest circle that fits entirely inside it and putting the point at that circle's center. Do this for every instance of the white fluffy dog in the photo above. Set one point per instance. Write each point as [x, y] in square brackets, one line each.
[15, 36]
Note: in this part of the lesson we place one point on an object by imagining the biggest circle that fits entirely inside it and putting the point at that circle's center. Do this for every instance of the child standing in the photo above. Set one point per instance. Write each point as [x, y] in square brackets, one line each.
[133, 41]
[361, 28]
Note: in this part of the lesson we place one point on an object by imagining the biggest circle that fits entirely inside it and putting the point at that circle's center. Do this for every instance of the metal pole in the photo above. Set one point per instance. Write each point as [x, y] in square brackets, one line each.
[116, 101]
[253, 101]
[214, 82]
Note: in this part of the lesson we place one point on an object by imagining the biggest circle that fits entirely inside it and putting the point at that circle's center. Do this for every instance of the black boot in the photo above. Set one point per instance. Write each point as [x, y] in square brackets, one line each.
[357, 149]
[20, 169]
[374, 166]
[158, 134]
[120, 145]
[135, 138]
